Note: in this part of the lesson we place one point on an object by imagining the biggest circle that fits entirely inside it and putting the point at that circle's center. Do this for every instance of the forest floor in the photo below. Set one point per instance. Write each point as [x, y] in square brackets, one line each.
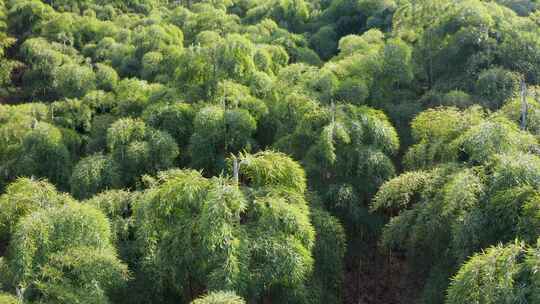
[376, 278]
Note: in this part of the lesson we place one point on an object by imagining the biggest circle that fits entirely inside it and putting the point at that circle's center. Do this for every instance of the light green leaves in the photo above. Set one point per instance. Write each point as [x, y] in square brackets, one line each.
[23, 197]
[250, 238]
[220, 297]
[65, 254]
[498, 275]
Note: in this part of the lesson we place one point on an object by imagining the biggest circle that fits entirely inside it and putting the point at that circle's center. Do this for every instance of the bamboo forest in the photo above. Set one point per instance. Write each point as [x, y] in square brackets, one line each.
[269, 151]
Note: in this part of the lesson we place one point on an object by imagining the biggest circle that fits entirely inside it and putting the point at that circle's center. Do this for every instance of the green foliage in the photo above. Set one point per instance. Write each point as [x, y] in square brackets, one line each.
[232, 57]
[155, 38]
[235, 95]
[217, 133]
[133, 96]
[56, 70]
[70, 276]
[93, 174]
[457, 99]
[477, 189]
[435, 132]
[15, 124]
[220, 297]
[44, 154]
[497, 85]
[500, 274]
[255, 239]
[65, 254]
[345, 149]
[6, 278]
[400, 192]
[272, 169]
[324, 41]
[25, 16]
[23, 197]
[7, 65]
[106, 77]
[97, 137]
[117, 205]
[406, 121]
[461, 211]
[74, 80]
[8, 299]
[493, 137]
[329, 252]
[73, 114]
[513, 111]
[176, 119]
[137, 149]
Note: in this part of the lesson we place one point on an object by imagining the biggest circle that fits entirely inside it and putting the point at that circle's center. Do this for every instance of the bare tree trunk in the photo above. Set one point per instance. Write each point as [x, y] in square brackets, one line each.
[20, 293]
[236, 170]
[524, 105]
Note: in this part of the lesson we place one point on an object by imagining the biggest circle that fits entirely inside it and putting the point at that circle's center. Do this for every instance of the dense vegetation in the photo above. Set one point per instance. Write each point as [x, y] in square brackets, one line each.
[269, 151]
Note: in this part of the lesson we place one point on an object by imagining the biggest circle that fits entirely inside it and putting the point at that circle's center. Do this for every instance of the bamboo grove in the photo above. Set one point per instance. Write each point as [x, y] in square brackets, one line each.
[269, 151]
